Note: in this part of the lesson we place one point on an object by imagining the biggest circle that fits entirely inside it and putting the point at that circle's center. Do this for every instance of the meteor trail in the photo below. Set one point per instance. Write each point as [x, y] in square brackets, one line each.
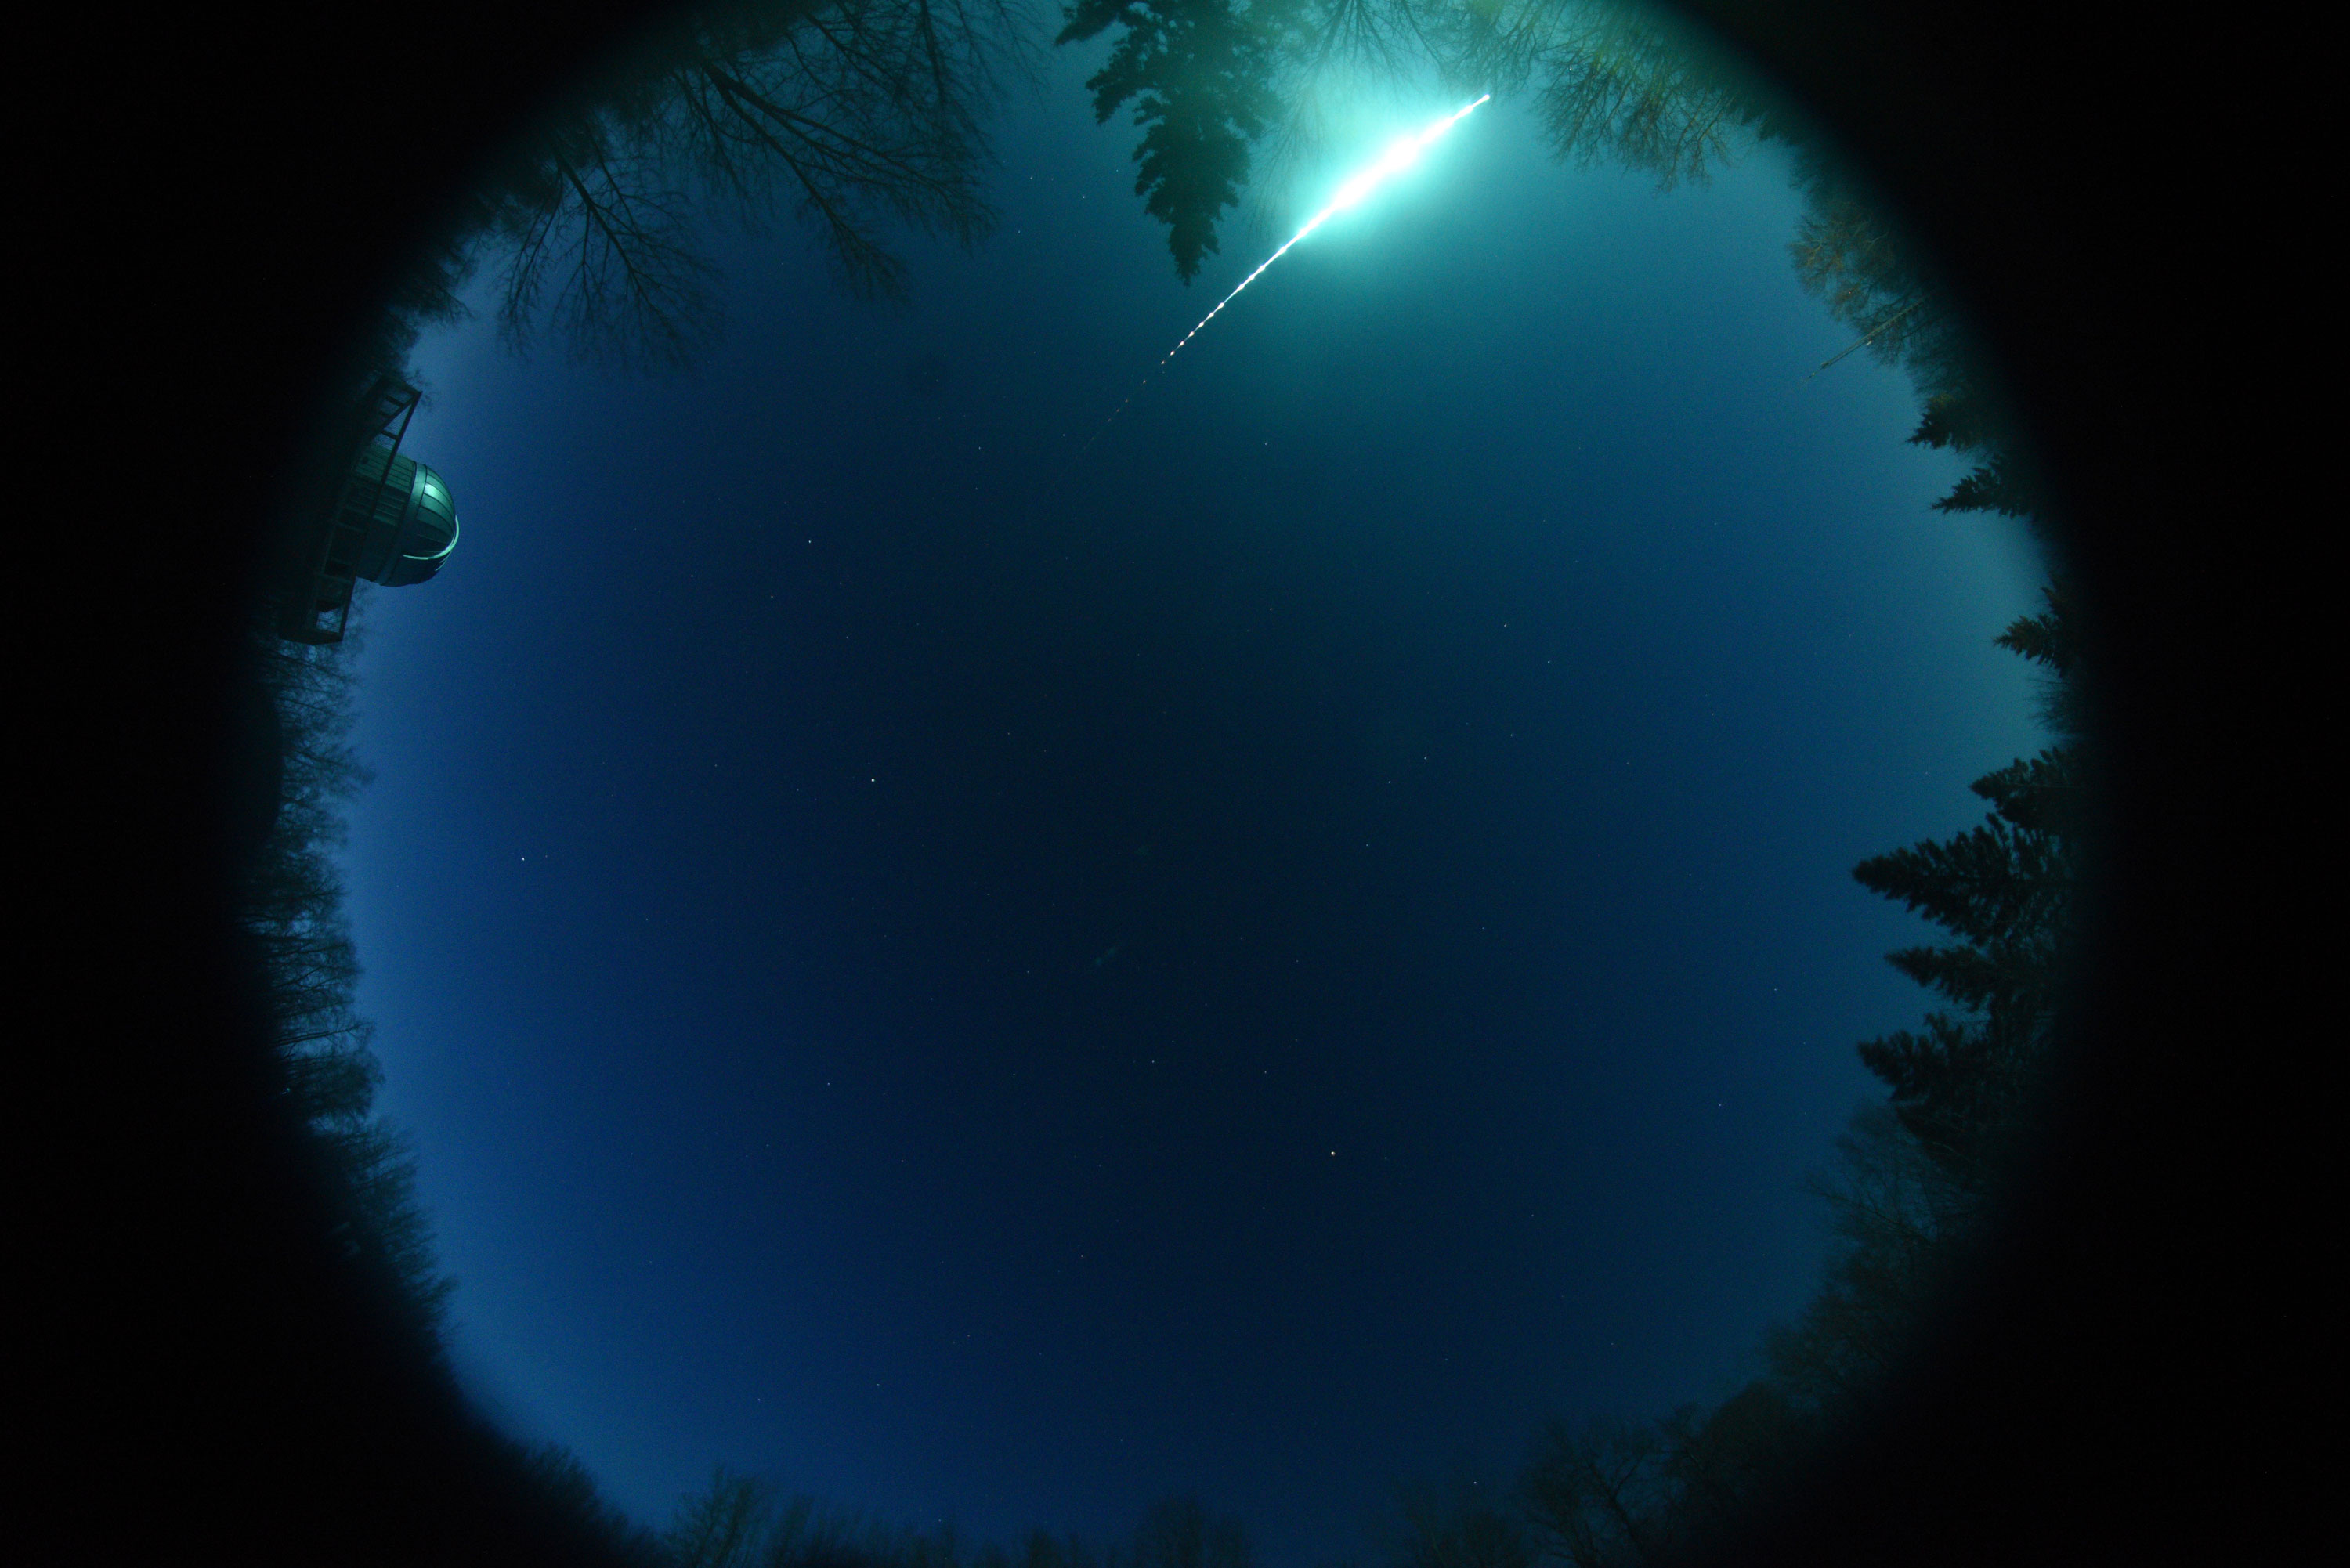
[1400, 155]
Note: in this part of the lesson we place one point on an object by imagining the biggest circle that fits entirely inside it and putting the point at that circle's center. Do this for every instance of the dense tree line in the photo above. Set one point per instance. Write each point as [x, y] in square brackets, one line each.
[327, 1076]
[852, 114]
[326, 1072]
[739, 1521]
[1240, 95]
[859, 113]
[857, 119]
[291, 904]
[1911, 1180]
[1913, 1176]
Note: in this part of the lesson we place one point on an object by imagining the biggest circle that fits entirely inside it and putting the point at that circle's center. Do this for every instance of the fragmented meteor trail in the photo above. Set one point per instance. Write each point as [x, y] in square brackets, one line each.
[1400, 155]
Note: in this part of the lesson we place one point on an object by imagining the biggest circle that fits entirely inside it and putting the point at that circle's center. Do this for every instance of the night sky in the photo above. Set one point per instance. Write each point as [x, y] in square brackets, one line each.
[1266, 960]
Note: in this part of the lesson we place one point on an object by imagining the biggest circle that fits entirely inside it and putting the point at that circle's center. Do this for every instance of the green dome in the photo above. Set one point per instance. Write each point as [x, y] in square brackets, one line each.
[408, 520]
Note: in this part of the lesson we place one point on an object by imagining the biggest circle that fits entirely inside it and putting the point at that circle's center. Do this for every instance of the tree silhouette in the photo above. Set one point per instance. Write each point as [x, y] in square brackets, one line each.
[858, 114]
[855, 115]
[728, 1526]
[1613, 82]
[566, 1483]
[1199, 75]
[1610, 1494]
[1911, 1179]
[1461, 1527]
[1619, 1493]
[291, 905]
[740, 1521]
[1179, 1533]
[606, 228]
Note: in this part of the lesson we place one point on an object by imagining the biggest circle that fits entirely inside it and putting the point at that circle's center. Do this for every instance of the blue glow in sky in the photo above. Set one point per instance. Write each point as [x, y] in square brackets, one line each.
[1268, 961]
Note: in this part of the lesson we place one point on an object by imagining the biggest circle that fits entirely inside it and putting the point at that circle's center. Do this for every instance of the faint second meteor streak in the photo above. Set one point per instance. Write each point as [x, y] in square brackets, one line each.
[1400, 155]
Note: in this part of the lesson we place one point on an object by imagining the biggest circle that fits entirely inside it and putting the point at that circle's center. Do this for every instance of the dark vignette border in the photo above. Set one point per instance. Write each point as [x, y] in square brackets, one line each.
[210, 201]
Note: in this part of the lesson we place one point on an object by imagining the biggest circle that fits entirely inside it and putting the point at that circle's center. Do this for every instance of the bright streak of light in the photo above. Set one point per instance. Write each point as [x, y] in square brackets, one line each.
[1400, 155]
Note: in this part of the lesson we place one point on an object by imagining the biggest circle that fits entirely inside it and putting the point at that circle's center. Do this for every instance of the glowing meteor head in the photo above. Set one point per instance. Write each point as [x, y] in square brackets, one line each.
[1401, 154]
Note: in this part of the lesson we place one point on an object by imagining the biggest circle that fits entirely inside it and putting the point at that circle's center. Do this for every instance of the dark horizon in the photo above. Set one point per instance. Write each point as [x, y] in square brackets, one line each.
[210, 1370]
[715, 940]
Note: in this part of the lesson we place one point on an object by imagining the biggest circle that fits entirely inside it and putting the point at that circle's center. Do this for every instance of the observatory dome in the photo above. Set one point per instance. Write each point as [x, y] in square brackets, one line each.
[408, 520]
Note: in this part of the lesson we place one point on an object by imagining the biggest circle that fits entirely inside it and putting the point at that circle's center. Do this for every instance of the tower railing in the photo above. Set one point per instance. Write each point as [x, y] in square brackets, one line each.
[323, 585]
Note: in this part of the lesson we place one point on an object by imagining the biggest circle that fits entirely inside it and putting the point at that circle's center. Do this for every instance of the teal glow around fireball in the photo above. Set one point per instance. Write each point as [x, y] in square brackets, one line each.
[1400, 155]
